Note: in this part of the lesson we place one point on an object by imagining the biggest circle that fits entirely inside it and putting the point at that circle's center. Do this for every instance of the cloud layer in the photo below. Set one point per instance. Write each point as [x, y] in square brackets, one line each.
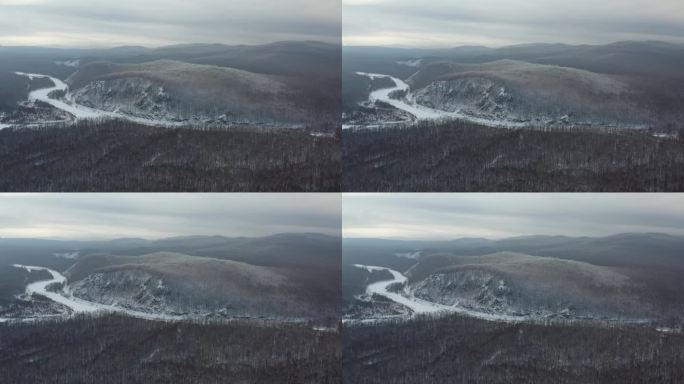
[149, 215]
[448, 216]
[99, 23]
[446, 23]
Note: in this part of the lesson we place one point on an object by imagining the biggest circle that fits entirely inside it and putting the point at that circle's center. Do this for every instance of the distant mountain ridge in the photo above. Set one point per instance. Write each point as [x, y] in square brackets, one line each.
[283, 83]
[629, 275]
[289, 275]
[650, 72]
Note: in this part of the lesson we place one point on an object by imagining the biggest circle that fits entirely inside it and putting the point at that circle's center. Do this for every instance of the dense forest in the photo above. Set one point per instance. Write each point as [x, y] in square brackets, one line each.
[462, 156]
[460, 349]
[125, 156]
[117, 349]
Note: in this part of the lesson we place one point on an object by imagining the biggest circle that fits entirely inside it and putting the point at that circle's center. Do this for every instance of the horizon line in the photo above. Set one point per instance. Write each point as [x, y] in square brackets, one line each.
[123, 45]
[419, 47]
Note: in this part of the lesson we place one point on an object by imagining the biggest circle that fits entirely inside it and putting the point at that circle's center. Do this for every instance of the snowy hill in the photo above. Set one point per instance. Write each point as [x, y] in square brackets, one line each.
[515, 91]
[517, 284]
[177, 91]
[178, 284]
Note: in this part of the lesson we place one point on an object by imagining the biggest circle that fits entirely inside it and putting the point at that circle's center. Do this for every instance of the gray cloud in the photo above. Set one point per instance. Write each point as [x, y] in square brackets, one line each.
[98, 23]
[106, 216]
[504, 22]
[443, 216]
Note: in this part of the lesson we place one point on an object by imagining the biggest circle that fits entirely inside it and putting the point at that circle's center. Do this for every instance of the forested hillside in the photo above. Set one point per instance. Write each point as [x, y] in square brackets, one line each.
[119, 349]
[466, 350]
[125, 156]
[462, 156]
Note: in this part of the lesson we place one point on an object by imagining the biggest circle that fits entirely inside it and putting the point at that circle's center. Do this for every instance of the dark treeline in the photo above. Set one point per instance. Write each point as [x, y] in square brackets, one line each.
[125, 156]
[118, 349]
[461, 156]
[465, 350]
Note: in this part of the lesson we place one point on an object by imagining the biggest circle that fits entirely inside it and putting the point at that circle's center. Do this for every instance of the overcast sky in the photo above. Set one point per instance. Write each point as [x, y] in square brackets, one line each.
[489, 215]
[149, 215]
[447, 23]
[106, 23]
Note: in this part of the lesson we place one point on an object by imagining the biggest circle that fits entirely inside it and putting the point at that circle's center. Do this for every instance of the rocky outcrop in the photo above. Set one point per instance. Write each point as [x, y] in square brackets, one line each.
[136, 290]
[537, 287]
[518, 92]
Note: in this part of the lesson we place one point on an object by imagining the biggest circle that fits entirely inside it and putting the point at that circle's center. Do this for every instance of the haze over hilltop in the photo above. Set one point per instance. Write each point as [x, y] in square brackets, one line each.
[441, 217]
[274, 257]
[514, 257]
[185, 96]
[73, 23]
[499, 23]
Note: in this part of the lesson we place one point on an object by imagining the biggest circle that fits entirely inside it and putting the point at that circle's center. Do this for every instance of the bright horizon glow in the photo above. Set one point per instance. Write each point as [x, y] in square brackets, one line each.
[497, 23]
[155, 23]
[434, 216]
[104, 216]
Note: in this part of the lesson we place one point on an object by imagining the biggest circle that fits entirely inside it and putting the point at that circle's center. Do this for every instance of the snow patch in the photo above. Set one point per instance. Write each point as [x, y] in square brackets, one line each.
[415, 63]
[67, 255]
[69, 63]
[409, 255]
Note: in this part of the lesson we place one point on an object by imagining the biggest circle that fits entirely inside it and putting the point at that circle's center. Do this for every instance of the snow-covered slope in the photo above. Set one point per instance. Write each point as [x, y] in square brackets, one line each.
[182, 285]
[522, 285]
[177, 91]
[519, 92]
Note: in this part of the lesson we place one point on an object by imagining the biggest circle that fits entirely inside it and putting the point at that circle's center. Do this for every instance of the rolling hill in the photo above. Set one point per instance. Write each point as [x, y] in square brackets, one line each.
[632, 275]
[549, 81]
[176, 283]
[516, 91]
[177, 91]
[513, 283]
[286, 276]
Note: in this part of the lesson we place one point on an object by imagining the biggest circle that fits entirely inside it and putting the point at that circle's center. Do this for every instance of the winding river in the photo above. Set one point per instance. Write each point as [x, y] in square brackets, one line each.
[81, 112]
[383, 94]
[79, 306]
[421, 112]
[381, 288]
[420, 306]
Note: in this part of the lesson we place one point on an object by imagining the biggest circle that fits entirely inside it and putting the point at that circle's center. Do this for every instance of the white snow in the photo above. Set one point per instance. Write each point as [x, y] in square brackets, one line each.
[81, 112]
[417, 305]
[421, 112]
[665, 135]
[415, 63]
[79, 305]
[420, 306]
[69, 63]
[40, 288]
[409, 255]
[67, 255]
[3, 126]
